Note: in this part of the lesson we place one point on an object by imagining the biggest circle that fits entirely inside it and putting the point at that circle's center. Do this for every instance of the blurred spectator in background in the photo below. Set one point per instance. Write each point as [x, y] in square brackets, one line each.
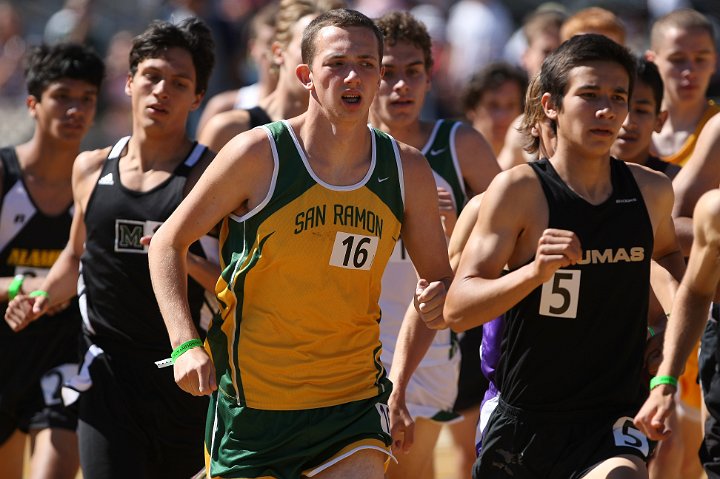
[477, 31]
[536, 38]
[227, 46]
[79, 21]
[289, 98]
[12, 50]
[436, 106]
[542, 35]
[594, 20]
[15, 124]
[377, 8]
[70, 24]
[260, 38]
[492, 99]
[116, 110]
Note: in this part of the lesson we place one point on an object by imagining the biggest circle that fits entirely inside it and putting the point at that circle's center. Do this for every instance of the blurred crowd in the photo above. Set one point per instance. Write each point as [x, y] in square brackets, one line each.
[467, 36]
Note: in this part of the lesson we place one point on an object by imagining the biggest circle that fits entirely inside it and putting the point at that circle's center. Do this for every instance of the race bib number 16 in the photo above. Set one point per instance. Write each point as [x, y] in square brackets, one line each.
[353, 251]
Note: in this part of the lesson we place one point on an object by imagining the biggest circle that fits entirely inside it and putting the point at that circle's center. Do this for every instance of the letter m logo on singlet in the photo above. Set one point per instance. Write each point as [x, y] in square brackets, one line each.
[129, 232]
[127, 236]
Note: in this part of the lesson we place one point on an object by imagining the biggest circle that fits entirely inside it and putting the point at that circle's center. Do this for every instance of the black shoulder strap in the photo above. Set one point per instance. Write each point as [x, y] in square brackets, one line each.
[258, 117]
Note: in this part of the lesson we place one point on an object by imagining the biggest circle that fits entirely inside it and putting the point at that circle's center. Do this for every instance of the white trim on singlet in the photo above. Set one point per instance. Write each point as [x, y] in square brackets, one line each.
[16, 205]
[192, 159]
[453, 151]
[119, 147]
[317, 179]
[456, 163]
[431, 138]
[401, 175]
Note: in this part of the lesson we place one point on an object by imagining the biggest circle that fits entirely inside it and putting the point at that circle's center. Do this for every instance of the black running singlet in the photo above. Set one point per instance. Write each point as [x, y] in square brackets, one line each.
[116, 295]
[576, 343]
[30, 241]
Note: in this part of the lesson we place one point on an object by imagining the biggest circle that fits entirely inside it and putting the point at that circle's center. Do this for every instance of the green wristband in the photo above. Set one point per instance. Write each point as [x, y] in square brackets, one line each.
[39, 292]
[185, 347]
[658, 380]
[15, 286]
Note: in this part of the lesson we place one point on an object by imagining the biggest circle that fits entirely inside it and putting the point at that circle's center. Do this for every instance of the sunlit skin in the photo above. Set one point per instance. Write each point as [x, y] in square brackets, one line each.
[65, 110]
[686, 61]
[288, 57]
[347, 68]
[163, 93]
[597, 101]
[633, 142]
[403, 87]
[496, 111]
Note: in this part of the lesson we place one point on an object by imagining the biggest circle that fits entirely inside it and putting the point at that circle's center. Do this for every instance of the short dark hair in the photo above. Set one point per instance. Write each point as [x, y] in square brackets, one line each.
[647, 73]
[578, 51]
[45, 64]
[341, 18]
[192, 34]
[489, 78]
[400, 26]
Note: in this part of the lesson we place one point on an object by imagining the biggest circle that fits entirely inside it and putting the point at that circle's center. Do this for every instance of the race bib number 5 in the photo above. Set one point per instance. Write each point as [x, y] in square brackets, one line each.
[559, 296]
[353, 251]
[626, 435]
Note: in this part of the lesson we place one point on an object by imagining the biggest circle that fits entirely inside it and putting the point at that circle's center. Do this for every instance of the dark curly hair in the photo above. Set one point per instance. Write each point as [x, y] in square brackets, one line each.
[45, 64]
[402, 26]
[192, 34]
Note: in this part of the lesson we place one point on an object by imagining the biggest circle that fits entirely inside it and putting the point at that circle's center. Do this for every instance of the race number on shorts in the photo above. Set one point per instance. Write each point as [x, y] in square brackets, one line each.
[53, 380]
[627, 435]
[560, 294]
[353, 251]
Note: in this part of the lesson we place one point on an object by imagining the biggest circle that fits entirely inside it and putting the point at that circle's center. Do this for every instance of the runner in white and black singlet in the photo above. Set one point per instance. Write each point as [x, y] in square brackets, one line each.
[63, 82]
[133, 420]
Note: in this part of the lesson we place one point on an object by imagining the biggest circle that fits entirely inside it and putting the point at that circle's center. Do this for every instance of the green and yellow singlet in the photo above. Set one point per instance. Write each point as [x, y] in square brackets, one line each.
[298, 325]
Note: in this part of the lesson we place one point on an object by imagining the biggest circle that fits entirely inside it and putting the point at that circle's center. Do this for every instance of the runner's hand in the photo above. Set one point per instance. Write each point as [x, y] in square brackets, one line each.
[556, 249]
[23, 310]
[652, 417]
[402, 426]
[429, 302]
[195, 373]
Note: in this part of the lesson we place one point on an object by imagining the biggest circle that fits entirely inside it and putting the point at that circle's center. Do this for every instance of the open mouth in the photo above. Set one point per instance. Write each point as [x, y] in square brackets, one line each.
[351, 98]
